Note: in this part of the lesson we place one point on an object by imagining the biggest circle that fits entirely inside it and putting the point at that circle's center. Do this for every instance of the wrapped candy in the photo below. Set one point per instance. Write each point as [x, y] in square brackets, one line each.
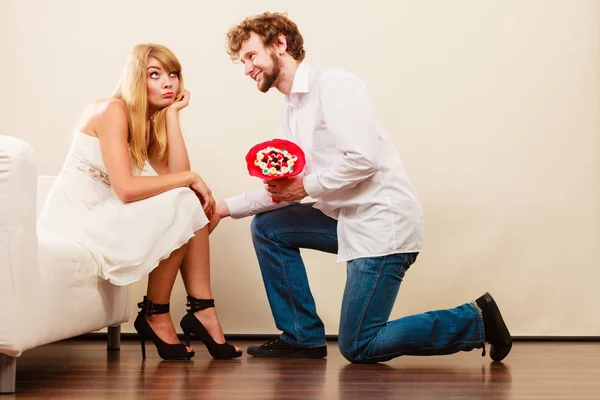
[275, 159]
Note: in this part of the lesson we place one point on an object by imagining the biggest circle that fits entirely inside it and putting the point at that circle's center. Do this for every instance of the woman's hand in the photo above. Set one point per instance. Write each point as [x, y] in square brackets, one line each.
[182, 102]
[204, 194]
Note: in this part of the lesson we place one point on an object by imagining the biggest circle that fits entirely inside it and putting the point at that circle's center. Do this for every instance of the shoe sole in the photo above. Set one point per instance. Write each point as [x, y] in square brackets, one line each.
[502, 328]
[285, 354]
[499, 356]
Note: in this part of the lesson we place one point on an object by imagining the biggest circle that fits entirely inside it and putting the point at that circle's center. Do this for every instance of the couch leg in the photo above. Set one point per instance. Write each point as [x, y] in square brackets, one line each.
[113, 338]
[8, 373]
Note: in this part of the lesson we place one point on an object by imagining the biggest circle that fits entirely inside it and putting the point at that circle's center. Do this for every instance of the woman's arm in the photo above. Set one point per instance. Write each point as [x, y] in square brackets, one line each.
[112, 130]
[178, 154]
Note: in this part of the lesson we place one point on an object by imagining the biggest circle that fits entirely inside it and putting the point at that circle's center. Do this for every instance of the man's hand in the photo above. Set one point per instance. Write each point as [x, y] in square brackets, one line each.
[286, 189]
[221, 212]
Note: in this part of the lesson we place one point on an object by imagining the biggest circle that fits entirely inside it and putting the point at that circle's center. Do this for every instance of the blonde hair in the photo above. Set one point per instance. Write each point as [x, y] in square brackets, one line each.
[132, 90]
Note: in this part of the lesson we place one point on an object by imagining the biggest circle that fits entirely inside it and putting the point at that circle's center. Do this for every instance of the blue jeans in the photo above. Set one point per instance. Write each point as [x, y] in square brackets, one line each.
[365, 334]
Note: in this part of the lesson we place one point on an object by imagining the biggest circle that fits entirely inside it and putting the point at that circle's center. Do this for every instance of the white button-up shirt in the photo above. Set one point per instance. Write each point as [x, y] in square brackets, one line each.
[352, 167]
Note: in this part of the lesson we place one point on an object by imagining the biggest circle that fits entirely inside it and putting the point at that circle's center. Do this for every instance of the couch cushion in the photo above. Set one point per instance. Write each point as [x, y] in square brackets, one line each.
[44, 185]
[18, 243]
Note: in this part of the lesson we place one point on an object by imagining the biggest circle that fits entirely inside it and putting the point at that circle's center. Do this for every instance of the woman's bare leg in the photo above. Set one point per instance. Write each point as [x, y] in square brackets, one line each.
[160, 285]
[195, 271]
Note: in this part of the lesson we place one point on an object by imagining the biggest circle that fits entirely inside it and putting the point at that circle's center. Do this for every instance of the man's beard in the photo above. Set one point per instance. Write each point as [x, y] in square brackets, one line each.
[269, 79]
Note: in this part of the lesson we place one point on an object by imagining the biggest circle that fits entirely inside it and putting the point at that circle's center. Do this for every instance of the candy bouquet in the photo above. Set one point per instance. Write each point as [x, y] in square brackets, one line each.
[275, 159]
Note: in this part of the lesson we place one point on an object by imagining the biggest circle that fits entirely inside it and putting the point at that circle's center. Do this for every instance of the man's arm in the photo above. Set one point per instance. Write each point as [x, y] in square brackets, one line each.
[244, 205]
[350, 117]
[258, 201]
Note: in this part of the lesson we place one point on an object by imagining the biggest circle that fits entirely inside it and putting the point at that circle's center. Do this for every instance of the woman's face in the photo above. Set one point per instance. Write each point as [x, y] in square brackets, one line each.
[163, 86]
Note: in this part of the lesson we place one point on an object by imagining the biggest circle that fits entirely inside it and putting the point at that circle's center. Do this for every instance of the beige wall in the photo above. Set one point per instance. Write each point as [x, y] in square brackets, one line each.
[494, 106]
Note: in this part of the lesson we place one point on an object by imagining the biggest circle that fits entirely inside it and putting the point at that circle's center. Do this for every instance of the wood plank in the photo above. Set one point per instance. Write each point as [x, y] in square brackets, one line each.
[84, 369]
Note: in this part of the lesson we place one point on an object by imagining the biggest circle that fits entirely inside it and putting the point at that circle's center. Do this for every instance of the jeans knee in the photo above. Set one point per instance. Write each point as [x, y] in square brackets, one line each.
[347, 348]
[265, 224]
[259, 225]
[350, 354]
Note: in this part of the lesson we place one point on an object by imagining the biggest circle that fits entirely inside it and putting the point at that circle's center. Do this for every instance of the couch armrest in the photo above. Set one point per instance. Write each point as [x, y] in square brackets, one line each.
[19, 271]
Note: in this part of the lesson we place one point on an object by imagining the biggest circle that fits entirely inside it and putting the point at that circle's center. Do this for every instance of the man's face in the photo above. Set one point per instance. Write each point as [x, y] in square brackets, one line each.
[260, 63]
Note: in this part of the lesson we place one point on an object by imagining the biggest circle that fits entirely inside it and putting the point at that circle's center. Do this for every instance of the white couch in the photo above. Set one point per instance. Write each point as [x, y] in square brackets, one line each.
[49, 289]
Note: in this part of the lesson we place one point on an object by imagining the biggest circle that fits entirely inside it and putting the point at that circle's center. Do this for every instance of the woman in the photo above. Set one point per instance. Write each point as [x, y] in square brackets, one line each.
[135, 225]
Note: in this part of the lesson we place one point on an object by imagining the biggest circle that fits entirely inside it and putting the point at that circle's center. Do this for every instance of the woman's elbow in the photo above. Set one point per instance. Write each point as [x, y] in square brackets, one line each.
[126, 195]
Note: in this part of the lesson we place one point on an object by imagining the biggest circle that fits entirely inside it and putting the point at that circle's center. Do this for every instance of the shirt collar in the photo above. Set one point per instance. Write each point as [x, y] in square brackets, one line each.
[301, 83]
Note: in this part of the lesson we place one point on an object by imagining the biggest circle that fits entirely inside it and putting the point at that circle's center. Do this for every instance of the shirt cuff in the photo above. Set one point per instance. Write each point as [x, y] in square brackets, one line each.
[238, 207]
[313, 186]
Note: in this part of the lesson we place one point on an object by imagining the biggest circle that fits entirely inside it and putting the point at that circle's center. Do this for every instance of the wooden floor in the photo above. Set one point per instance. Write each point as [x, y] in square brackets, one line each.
[85, 370]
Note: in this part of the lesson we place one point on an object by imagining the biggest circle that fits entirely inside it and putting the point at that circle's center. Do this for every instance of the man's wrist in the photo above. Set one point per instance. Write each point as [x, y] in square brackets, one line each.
[312, 186]
[223, 209]
[303, 192]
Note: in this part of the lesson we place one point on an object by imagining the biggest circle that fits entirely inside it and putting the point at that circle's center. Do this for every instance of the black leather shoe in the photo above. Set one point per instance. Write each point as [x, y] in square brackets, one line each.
[496, 332]
[279, 348]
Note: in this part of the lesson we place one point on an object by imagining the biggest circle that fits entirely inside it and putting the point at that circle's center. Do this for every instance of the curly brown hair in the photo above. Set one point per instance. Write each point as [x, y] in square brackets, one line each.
[268, 26]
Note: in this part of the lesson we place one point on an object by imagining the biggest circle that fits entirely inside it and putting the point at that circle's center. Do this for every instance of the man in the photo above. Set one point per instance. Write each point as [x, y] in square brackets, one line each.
[366, 211]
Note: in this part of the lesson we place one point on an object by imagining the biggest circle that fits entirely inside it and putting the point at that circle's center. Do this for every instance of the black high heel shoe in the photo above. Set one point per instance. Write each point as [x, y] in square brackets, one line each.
[190, 324]
[166, 351]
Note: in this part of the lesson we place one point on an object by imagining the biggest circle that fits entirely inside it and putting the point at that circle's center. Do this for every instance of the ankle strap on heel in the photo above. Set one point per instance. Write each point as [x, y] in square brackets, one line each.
[195, 304]
[150, 308]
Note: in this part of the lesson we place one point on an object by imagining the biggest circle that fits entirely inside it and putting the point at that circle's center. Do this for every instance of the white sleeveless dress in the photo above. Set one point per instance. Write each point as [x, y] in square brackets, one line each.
[127, 240]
